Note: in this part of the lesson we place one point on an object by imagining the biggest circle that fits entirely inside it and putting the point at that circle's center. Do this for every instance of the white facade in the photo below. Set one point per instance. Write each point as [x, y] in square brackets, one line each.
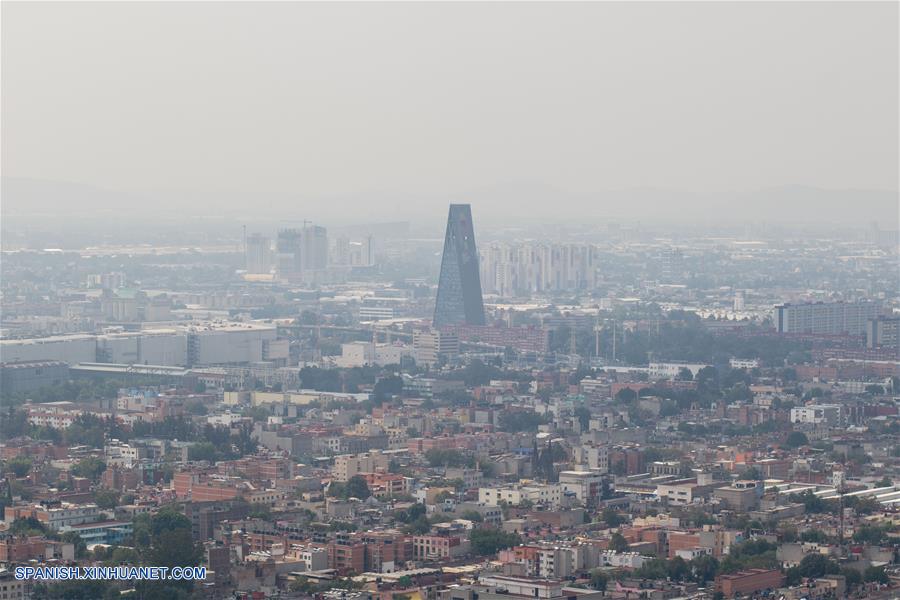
[594, 458]
[226, 419]
[628, 560]
[229, 343]
[431, 346]
[670, 370]
[121, 454]
[69, 514]
[549, 494]
[586, 486]
[830, 414]
[743, 363]
[360, 354]
[167, 347]
[677, 493]
[72, 349]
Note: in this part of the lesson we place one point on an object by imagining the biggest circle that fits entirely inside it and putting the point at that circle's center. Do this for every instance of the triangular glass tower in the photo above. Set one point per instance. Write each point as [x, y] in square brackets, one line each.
[459, 300]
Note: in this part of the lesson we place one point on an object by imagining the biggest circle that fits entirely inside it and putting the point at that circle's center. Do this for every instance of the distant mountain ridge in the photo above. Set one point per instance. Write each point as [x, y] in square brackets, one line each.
[26, 200]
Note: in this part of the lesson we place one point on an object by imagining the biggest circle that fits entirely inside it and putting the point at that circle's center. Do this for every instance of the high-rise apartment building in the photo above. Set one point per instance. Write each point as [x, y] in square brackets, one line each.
[883, 332]
[346, 252]
[258, 254]
[314, 248]
[826, 318]
[459, 300]
[287, 253]
[525, 268]
[300, 252]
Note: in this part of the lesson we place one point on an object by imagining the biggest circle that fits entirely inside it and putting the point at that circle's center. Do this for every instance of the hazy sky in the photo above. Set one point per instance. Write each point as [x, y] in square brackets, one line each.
[345, 98]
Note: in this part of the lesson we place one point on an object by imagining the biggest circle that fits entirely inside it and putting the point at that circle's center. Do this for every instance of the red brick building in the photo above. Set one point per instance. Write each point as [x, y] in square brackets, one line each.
[747, 582]
[22, 548]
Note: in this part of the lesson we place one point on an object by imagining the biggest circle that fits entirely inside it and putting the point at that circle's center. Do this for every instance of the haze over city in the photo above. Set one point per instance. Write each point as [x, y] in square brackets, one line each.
[449, 301]
[351, 112]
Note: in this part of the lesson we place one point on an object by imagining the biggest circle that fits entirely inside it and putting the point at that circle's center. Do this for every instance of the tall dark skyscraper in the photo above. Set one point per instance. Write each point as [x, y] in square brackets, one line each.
[459, 299]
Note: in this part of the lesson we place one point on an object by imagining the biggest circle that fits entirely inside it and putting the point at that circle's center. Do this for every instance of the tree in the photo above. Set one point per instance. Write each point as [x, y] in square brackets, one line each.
[90, 467]
[107, 499]
[751, 473]
[203, 451]
[704, 568]
[599, 580]
[260, 511]
[678, 569]
[667, 408]
[796, 439]
[357, 488]
[816, 536]
[411, 514]
[868, 534]
[612, 518]
[487, 541]
[419, 526]
[684, 374]
[811, 502]
[84, 589]
[387, 387]
[618, 543]
[655, 568]
[196, 407]
[626, 395]
[121, 556]
[521, 420]
[175, 548]
[852, 577]
[14, 423]
[19, 465]
[817, 565]
[27, 526]
[168, 518]
[437, 457]
[876, 575]
[584, 417]
[707, 379]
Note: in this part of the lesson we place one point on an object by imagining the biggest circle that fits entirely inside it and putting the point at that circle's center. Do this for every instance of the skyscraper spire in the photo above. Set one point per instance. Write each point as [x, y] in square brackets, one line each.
[459, 300]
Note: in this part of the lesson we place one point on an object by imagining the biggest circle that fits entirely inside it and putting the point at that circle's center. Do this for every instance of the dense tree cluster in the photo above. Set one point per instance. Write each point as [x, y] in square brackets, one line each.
[486, 541]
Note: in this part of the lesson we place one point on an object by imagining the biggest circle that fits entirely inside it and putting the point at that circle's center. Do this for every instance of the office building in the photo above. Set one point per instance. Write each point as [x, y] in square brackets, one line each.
[883, 332]
[432, 346]
[826, 318]
[459, 300]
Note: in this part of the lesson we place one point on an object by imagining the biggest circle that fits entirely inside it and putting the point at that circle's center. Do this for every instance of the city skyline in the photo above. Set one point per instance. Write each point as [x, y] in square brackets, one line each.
[450, 300]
